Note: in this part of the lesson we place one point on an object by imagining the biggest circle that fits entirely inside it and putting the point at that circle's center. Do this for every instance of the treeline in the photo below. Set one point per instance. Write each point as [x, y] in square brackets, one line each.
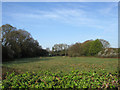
[18, 43]
[87, 48]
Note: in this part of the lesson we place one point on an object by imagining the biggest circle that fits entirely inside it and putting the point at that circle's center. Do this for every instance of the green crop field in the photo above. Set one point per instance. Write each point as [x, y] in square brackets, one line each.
[61, 72]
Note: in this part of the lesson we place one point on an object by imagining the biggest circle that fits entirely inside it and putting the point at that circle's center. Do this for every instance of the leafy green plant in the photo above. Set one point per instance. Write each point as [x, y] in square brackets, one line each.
[74, 79]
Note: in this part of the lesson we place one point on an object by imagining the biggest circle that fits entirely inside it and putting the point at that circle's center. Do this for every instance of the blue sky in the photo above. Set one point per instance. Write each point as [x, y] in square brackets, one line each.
[53, 22]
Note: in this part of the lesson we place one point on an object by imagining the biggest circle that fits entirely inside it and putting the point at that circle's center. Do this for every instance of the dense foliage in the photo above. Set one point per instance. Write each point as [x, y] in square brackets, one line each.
[75, 50]
[74, 79]
[95, 47]
[60, 50]
[18, 43]
[87, 48]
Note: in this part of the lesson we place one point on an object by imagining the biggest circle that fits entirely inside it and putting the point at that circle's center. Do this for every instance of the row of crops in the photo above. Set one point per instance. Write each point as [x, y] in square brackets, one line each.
[74, 79]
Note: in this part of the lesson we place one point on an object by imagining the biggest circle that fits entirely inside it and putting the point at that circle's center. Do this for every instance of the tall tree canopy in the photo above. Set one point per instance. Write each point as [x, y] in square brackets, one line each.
[75, 50]
[18, 43]
[60, 49]
[87, 48]
[95, 47]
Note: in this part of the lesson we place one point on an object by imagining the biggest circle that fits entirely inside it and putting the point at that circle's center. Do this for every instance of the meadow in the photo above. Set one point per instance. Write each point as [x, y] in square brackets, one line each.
[61, 72]
[65, 64]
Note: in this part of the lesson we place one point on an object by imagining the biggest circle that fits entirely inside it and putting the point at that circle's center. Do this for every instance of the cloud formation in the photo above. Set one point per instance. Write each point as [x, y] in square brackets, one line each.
[76, 17]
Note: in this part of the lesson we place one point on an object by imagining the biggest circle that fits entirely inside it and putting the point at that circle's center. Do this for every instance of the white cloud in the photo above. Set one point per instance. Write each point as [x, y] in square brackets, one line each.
[76, 17]
[72, 16]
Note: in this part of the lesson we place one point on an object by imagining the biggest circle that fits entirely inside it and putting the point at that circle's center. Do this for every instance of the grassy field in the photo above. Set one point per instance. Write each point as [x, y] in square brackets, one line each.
[61, 72]
[65, 64]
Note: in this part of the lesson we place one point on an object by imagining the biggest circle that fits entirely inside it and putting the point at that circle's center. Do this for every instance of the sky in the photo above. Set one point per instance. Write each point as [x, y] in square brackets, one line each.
[60, 0]
[64, 22]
